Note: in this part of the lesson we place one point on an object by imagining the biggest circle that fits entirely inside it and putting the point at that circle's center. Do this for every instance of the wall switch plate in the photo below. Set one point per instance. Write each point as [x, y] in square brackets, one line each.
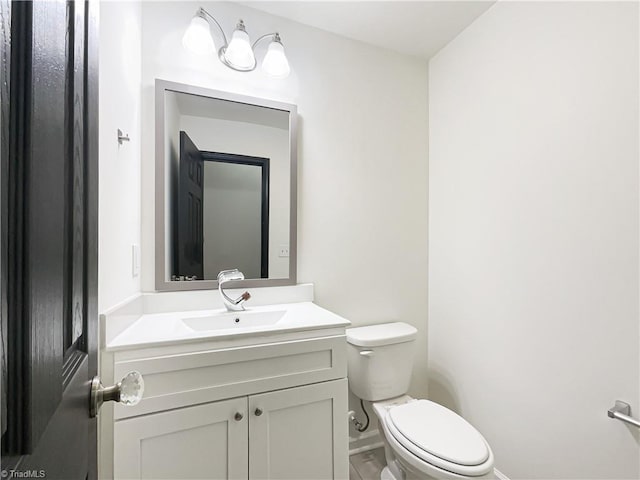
[283, 251]
[135, 260]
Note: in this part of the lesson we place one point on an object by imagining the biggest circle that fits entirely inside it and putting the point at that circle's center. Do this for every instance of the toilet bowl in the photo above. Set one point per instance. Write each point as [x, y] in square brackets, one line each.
[427, 440]
[422, 439]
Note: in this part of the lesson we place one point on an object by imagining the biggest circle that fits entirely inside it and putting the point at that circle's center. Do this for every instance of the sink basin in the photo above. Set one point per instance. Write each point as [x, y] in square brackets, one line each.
[234, 320]
[261, 321]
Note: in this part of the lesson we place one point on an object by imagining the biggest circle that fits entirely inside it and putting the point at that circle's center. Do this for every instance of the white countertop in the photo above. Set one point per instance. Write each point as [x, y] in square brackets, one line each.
[157, 329]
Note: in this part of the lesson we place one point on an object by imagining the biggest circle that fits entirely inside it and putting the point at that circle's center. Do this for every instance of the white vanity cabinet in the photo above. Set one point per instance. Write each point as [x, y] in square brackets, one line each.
[299, 432]
[273, 410]
[203, 441]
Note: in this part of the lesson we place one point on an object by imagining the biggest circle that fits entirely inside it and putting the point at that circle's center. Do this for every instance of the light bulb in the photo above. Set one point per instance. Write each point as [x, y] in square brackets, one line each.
[239, 53]
[275, 62]
[197, 37]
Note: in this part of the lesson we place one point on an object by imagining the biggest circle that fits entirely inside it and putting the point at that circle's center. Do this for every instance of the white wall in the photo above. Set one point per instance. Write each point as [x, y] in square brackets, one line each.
[119, 183]
[533, 247]
[362, 201]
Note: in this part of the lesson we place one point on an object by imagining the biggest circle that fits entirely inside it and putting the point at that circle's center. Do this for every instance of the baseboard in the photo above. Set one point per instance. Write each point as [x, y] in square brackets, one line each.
[499, 475]
[365, 441]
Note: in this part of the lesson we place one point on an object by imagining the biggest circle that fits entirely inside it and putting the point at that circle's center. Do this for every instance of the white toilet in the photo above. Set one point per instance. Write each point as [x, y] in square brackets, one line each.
[422, 439]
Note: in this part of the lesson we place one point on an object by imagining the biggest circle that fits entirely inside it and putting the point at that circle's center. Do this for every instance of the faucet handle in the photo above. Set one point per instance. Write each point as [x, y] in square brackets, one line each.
[234, 273]
[226, 272]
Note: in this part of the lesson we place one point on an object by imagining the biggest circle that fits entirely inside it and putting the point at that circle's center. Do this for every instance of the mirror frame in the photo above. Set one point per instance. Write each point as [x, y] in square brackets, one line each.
[163, 284]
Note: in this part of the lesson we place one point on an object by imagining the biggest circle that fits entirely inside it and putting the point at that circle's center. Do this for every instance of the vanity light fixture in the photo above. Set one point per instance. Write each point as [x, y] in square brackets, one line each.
[238, 54]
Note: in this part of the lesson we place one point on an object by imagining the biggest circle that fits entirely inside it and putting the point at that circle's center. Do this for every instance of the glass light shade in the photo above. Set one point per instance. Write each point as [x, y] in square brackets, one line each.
[239, 52]
[197, 38]
[275, 62]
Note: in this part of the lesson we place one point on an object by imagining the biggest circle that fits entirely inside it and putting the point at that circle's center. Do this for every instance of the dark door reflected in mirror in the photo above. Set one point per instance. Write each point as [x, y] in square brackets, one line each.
[227, 167]
[233, 190]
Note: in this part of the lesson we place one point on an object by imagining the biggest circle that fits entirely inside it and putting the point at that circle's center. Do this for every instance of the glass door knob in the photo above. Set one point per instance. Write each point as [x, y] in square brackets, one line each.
[127, 391]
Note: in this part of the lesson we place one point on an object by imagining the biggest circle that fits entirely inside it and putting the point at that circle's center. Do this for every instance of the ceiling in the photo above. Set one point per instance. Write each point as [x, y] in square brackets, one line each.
[418, 28]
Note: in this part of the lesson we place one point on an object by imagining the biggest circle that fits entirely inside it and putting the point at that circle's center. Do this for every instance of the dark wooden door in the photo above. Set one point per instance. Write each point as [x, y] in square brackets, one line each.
[190, 232]
[49, 237]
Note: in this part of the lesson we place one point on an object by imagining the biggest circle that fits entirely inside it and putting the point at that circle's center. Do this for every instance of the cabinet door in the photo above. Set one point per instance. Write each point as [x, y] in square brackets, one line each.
[206, 441]
[300, 433]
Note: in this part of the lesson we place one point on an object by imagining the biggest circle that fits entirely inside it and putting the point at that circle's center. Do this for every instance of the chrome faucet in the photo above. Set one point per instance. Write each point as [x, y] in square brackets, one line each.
[229, 276]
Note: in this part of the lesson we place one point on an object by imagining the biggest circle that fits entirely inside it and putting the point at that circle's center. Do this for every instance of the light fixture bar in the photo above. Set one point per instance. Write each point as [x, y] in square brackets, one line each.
[274, 34]
[237, 53]
[202, 12]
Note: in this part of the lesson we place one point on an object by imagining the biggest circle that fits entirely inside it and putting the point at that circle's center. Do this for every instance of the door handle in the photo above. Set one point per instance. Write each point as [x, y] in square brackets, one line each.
[127, 391]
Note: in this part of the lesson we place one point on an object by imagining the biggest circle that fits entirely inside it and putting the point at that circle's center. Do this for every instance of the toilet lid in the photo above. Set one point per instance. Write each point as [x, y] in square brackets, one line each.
[440, 432]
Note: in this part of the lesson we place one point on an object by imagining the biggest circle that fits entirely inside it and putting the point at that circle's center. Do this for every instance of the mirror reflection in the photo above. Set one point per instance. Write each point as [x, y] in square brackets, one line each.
[229, 187]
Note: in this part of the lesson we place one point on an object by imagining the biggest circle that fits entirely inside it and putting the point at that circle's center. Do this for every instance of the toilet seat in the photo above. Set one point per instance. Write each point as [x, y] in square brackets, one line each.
[435, 437]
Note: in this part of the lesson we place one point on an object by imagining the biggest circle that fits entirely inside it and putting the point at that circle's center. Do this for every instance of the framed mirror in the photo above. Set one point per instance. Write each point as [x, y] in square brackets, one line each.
[226, 176]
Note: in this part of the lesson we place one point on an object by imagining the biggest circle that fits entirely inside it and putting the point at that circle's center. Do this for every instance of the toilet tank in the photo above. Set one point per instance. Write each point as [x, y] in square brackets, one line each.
[380, 360]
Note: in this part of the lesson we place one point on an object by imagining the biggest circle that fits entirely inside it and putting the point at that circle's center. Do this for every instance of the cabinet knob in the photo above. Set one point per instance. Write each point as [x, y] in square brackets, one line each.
[258, 412]
[238, 416]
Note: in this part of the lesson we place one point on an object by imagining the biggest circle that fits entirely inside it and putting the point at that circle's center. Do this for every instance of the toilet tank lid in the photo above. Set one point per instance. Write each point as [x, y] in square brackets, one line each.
[381, 334]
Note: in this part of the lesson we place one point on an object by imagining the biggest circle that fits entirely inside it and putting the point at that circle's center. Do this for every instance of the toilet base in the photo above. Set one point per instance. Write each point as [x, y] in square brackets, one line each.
[392, 471]
[387, 475]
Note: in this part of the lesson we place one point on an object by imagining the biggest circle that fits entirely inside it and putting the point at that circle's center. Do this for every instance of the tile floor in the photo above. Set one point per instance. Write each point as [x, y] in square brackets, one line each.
[367, 465]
